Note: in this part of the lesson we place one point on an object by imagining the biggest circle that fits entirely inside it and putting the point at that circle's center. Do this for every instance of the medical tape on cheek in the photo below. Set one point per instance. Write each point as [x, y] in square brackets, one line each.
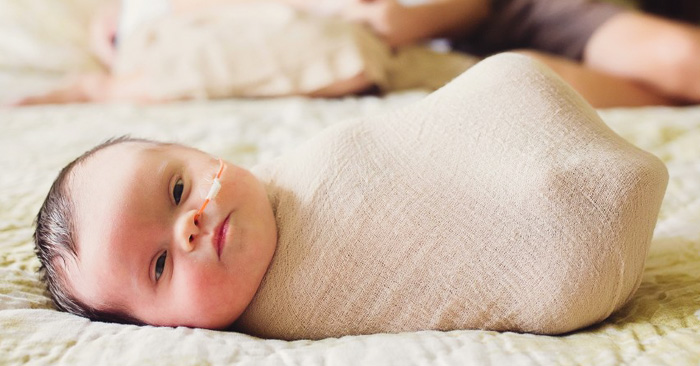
[213, 191]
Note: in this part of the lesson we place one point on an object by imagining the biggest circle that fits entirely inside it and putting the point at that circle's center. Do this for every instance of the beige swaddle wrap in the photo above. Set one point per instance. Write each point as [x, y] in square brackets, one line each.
[501, 201]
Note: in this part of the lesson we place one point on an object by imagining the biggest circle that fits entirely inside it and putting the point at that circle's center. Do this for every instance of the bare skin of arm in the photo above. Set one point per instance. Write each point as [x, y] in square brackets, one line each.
[661, 53]
[600, 89]
[94, 87]
[400, 25]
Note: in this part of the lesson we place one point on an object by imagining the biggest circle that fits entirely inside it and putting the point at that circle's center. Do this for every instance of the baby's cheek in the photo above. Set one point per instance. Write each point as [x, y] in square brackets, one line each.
[205, 299]
[199, 285]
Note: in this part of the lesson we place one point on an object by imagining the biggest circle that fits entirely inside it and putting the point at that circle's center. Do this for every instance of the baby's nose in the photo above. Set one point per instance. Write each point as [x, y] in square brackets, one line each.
[186, 230]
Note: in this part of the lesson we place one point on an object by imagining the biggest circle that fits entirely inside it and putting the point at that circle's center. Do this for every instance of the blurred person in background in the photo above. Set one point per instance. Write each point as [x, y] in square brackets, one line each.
[612, 55]
[115, 21]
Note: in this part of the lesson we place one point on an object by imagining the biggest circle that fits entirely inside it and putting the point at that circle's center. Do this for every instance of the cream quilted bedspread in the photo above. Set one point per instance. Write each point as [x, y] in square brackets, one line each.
[660, 326]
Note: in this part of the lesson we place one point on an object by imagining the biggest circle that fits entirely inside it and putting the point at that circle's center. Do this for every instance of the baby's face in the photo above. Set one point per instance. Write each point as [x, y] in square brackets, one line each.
[139, 249]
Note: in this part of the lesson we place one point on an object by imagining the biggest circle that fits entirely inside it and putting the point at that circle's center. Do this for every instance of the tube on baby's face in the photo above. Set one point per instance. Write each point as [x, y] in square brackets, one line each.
[213, 191]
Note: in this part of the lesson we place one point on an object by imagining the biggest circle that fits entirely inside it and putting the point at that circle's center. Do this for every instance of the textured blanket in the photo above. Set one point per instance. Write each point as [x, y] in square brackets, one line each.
[660, 325]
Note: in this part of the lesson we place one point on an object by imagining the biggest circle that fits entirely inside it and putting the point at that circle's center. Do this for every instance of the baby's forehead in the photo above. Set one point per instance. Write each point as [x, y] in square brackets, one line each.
[104, 186]
[126, 154]
[110, 174]
[119, 150]
[112, 152]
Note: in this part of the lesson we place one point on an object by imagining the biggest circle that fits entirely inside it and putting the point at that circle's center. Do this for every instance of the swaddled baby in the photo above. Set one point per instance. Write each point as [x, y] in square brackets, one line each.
[500, 202]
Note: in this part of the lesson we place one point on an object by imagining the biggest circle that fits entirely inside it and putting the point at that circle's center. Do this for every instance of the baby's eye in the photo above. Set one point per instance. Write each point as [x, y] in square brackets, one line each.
[160, 264]
[177, 191]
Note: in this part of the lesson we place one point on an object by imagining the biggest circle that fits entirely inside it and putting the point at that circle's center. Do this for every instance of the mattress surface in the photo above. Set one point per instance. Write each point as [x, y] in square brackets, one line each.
[660, 326]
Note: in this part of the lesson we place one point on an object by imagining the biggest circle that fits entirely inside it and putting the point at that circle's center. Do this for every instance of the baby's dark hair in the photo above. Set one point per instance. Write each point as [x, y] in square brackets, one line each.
[55, 243]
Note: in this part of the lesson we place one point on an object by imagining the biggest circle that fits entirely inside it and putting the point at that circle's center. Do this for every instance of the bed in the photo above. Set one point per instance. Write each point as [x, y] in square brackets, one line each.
[659, 326]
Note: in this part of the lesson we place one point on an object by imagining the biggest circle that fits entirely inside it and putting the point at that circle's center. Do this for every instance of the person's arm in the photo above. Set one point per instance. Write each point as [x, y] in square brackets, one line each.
[399, 24]
[94, 87]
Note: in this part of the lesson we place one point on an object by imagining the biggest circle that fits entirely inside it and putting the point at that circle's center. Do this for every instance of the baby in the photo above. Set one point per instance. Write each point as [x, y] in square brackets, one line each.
[137, 252]
[612, 56]
[164, 50]
[500, 202]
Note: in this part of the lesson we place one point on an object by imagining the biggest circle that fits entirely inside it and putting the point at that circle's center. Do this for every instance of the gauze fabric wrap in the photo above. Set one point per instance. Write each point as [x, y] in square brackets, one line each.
[501, 201]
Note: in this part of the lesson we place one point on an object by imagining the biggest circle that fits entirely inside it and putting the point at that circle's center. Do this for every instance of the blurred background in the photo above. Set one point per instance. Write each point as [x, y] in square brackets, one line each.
[687, 10]
[42, 41]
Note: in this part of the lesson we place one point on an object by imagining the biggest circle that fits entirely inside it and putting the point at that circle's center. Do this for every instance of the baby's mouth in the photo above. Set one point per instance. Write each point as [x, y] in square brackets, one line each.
[220, 236]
